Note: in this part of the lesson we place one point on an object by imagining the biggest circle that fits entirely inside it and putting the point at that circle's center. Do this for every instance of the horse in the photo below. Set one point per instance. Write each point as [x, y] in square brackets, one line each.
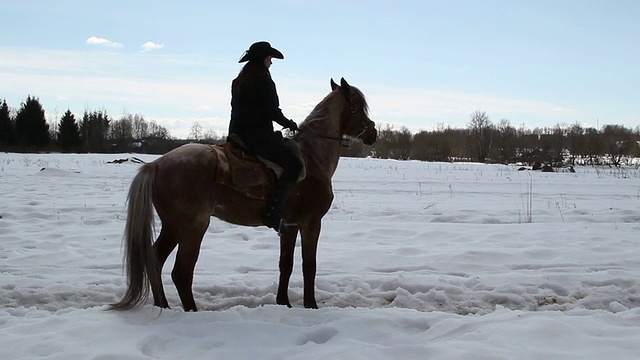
[188, 185]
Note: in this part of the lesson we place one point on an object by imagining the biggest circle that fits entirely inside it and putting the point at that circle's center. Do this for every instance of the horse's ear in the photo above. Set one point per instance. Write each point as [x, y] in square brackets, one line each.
[346, 88]
[345, 84]
[334, 85]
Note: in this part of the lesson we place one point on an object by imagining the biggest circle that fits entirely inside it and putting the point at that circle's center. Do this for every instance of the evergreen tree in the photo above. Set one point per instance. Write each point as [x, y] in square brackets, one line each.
[7, 131]
[31, 125]
[94, 131]
[68, 132]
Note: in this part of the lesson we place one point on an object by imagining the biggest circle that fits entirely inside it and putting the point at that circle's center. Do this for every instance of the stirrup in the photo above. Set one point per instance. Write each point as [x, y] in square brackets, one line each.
[275, 226]
[280, 226]
[271, 221]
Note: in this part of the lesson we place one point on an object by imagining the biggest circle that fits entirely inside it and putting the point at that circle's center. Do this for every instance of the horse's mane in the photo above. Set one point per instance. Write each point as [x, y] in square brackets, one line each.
[323, 108]
[365, 105]
[322, 127]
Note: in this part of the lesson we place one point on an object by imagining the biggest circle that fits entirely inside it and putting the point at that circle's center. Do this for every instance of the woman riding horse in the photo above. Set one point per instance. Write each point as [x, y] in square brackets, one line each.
[191, 183]
[254, 106]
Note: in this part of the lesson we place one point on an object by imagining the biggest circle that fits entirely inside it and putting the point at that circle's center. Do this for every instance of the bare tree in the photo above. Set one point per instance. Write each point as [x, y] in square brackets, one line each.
[431, 146]
[618, 141]
[551, 144]
[210, 135]
[157, 131]
[384, 144]
[140, 127]
[506, 141]
[403, 144]
[480, 129]
[196, 131]
[575, 142]
[121, 130]
[592, 146]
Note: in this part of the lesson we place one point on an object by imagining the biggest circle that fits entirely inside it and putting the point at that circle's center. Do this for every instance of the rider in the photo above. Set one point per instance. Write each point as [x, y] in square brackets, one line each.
[254, 106]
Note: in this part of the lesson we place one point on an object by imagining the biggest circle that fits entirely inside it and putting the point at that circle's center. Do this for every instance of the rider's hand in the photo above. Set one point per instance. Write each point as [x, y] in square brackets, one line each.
[292, 126]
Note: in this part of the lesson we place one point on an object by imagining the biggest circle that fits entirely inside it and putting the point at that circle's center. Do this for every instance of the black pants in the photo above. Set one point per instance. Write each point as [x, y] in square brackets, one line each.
[271, 147]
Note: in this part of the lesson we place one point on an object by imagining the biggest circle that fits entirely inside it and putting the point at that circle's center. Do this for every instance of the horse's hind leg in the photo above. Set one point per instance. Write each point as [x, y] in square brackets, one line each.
[186, 258]
[163, 247]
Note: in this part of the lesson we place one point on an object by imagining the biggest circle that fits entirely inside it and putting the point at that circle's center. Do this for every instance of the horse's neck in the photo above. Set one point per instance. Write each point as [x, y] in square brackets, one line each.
[322, 154]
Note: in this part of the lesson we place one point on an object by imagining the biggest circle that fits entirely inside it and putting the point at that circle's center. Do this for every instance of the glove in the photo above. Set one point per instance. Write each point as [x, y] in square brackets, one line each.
[292, 126]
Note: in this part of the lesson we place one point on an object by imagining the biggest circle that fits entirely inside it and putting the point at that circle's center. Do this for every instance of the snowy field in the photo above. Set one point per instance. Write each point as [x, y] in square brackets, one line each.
[416, 261]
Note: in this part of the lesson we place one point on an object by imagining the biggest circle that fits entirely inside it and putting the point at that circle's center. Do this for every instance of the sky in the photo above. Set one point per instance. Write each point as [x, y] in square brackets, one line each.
[421, 64]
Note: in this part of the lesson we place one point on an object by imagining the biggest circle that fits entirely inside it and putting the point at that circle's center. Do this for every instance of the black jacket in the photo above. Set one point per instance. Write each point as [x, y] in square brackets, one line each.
[255, 105]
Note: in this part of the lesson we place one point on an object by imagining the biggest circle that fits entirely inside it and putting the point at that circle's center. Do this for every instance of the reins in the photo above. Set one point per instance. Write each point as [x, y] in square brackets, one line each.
[345, 141]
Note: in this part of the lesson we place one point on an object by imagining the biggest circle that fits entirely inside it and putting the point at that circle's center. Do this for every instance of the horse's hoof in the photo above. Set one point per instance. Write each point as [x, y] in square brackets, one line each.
[311, 305]
[163, 305]
[284, 302]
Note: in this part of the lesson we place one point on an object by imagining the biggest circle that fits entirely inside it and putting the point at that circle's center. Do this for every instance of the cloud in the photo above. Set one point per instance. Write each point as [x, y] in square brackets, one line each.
[150, 45]
[196, 87]
[94, 40]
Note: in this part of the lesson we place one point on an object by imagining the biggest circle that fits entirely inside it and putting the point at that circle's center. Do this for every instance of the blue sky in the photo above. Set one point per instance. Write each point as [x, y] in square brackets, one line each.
[420, 63]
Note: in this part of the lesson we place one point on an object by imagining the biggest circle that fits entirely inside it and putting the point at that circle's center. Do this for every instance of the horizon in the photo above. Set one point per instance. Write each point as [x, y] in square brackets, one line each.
[420, 64]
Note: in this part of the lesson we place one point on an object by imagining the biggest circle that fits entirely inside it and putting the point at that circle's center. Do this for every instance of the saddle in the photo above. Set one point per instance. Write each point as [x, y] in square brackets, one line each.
[248, 173]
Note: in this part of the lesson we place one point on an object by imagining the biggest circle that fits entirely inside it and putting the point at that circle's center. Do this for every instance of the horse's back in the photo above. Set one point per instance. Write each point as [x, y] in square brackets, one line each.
[188, 154]
[185, 178]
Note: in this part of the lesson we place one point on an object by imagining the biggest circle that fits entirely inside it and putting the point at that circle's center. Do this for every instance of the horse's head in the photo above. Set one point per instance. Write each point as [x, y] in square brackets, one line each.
[355, 120]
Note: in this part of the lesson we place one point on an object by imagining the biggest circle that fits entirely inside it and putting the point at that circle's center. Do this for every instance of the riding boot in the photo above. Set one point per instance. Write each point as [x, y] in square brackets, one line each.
[275, 209]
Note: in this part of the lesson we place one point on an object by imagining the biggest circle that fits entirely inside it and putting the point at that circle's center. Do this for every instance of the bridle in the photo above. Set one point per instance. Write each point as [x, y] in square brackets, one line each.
[345, 141]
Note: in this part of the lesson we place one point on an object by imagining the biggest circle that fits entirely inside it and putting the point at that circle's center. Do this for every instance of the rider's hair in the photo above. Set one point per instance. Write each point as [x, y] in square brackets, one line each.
[249, 70]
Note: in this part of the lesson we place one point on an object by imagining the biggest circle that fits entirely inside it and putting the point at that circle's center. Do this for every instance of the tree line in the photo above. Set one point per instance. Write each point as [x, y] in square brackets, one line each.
[487, 142]
[95, 131]
[481, 141]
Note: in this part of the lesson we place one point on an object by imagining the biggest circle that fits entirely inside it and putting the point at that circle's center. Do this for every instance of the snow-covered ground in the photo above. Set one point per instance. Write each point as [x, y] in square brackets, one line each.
[416, 261]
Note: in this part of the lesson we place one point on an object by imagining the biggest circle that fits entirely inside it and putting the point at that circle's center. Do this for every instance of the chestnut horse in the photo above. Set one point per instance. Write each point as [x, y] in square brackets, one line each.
[185, 189]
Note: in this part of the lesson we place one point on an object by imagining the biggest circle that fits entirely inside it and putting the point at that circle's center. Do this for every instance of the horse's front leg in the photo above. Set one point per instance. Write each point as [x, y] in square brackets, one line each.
[287, 248]
[310, 237]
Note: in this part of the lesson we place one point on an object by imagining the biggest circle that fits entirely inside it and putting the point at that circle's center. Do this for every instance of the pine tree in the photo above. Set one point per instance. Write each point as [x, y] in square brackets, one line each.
[31, 125]
[68, 132]
[7, 131]
[94, 130]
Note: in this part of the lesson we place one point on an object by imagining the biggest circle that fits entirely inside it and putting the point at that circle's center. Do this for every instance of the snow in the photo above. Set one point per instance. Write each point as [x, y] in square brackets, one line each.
[416, 261]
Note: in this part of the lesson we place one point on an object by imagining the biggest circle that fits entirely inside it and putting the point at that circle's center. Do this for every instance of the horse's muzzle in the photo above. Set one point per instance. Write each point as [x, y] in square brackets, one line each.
[369, 137]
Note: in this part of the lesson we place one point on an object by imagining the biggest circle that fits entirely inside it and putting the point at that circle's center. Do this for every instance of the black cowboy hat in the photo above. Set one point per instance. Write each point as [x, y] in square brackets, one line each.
[259, 51]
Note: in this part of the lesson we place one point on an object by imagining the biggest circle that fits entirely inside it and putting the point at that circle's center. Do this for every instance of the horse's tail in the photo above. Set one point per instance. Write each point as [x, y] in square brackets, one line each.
[140, 261]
